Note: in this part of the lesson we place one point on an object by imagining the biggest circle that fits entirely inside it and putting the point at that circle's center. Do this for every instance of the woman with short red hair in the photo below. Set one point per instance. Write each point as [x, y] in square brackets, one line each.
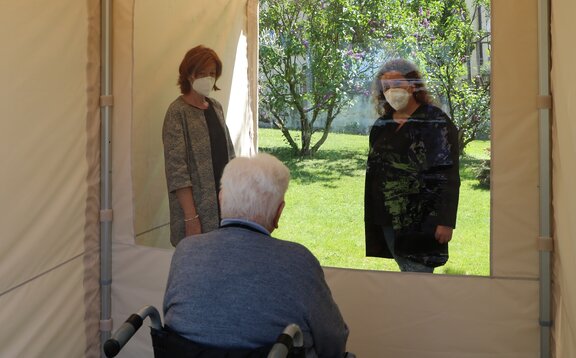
[197, 146]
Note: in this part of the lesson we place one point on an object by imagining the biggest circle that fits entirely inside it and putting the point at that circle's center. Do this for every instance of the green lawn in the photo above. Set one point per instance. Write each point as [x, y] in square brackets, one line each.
[324, 206]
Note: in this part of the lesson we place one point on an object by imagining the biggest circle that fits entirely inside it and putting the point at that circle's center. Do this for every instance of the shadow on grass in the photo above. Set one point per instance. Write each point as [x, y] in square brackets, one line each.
[328, 165]
[325, 167]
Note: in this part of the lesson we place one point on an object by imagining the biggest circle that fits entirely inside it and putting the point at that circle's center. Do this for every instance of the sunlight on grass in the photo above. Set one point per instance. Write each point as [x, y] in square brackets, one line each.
[325, 205]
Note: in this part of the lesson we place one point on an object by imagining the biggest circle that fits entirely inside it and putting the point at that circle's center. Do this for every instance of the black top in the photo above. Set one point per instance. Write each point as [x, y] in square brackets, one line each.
[412, 176]
[217, 144]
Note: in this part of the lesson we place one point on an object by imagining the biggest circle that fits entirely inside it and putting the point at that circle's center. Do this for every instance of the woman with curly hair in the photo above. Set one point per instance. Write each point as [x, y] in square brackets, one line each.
[412, 175]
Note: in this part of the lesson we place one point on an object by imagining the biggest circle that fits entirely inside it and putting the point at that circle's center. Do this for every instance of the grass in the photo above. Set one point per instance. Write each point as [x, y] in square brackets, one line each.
[325, 205]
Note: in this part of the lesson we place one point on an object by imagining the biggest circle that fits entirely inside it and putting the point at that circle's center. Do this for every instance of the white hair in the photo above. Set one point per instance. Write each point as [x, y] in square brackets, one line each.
[253, 188]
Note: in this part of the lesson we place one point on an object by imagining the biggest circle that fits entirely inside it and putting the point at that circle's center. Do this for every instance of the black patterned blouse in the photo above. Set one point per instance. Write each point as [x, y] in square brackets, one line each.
[412, 180]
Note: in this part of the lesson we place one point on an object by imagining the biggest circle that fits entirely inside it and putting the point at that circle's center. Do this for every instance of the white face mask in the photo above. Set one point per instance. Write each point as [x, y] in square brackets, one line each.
[204, 85]
[397, 98]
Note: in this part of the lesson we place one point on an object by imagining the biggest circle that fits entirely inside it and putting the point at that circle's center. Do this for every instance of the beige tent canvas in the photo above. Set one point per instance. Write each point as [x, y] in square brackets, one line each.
[54, 216]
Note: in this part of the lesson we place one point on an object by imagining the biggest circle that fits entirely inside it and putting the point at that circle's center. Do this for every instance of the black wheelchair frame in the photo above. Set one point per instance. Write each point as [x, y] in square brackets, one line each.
[169, 344]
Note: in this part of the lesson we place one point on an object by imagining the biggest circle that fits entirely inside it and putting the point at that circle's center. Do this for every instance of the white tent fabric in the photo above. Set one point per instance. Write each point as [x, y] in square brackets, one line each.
[564, 170]
[49, 195]
[49, 198]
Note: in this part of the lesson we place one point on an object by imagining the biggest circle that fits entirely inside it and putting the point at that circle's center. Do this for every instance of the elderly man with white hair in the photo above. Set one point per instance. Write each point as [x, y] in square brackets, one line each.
[238, 287]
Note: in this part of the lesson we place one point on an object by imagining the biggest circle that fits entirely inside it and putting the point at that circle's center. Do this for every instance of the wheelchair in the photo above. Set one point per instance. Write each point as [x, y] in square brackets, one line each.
[168, 344]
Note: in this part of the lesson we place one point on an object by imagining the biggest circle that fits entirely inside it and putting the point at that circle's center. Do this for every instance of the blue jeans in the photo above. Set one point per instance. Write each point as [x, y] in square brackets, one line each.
[404, 264]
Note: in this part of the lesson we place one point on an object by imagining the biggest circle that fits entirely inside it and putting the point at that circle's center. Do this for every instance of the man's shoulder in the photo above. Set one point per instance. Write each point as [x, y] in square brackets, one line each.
[192, 243]
[239, 238]
[296, 251]
[198, 239]
[292, 245]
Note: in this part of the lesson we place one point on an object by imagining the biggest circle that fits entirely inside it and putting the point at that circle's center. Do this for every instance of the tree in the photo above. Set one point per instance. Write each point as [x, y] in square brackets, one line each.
[317, 55]
[312, 57]
[440, 36]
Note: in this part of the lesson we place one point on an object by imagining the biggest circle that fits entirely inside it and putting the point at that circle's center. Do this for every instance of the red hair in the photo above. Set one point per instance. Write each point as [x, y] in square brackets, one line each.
[194, 60]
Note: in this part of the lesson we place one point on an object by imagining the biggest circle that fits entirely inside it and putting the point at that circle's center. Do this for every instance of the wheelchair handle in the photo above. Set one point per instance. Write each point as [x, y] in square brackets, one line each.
[289, 338]
[113, 345]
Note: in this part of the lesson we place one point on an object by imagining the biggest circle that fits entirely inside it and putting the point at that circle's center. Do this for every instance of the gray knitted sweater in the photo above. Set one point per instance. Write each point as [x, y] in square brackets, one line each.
[238, 288]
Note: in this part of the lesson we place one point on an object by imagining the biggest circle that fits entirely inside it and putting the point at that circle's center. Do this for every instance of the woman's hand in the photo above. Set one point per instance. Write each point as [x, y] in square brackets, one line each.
[192, 224]
[443, 234]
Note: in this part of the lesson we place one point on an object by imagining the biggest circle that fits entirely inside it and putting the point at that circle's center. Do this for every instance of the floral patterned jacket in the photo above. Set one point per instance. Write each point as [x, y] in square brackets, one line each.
[412, 184]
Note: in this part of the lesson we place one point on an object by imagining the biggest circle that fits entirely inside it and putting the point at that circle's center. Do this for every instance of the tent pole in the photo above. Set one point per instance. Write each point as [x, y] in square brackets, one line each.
[106, 102]
[545, 240]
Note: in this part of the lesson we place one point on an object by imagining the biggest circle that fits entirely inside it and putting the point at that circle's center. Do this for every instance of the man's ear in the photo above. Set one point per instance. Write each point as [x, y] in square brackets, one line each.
[278, 214]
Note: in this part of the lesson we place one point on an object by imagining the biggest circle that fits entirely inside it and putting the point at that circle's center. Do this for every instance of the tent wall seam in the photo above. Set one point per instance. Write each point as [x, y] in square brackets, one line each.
[43, 273]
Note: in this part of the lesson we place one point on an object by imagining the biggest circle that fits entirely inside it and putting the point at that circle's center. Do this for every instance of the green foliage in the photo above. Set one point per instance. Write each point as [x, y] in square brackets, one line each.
[316, 55]
[470, 107]
[311, 57]
[440, 36]
[483, 175]
[483, 169]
